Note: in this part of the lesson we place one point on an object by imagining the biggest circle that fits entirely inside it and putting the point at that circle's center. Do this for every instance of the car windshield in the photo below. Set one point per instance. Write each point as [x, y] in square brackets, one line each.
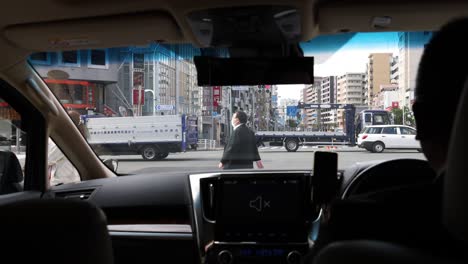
[142, 105]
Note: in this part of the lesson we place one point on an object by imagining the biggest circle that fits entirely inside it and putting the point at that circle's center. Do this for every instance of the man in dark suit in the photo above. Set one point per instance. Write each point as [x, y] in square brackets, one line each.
[241, 150]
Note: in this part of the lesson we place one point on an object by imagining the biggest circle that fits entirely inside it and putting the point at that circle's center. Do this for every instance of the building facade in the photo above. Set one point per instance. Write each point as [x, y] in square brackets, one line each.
[378, 73]
[329, 94]
[410, 49]
[350, 90]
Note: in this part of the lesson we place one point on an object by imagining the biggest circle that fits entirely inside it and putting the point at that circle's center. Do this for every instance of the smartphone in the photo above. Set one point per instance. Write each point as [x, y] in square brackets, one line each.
[325, 181]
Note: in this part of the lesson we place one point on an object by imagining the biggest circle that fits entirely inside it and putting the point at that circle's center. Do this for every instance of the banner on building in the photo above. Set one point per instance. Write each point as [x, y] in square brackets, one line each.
[138, 94]
[216, 95]
[207, 97]
[138, 79]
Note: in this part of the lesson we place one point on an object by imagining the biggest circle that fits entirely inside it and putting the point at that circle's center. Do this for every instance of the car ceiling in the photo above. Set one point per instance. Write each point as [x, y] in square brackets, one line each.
[34, 25]
[30, 26]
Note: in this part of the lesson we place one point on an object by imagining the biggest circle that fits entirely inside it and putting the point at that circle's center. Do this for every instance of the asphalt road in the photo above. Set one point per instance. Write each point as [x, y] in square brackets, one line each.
[273, 158]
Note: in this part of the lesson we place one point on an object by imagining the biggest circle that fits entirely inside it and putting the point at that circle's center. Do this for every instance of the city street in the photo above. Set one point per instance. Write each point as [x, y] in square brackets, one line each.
[273, 158]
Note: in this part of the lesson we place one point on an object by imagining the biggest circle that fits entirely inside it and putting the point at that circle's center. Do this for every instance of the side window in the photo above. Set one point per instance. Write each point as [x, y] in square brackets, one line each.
[60, 170]
[389, 130]
[407, 131]
[69, 58]
[367, 118]
[374, 130]
[98, 58]
[378, 120]
[12, 144]
[41, 58]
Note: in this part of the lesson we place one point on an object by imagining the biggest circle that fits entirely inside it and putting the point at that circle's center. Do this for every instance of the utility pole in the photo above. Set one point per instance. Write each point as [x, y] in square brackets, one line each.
[140, 97]
[254, 110]
[211, 113]
[403, 115]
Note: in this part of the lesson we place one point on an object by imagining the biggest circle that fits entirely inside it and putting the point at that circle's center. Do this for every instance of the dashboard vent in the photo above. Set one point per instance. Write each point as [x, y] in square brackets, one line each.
[83, 194]
[208, 201]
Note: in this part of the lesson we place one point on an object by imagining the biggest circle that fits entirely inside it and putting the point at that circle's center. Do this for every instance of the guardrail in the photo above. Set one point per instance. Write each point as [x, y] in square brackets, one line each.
[206, 144]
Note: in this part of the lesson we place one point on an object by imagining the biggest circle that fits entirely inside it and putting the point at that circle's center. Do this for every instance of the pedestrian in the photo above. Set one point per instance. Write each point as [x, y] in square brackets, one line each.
[61, 170]
[241, 150]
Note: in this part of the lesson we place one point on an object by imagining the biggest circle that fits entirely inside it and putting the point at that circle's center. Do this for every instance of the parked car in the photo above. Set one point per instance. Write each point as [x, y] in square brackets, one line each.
[378, 138]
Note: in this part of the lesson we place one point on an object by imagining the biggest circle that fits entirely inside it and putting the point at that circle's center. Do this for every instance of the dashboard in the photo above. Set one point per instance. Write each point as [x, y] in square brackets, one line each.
[225, 217]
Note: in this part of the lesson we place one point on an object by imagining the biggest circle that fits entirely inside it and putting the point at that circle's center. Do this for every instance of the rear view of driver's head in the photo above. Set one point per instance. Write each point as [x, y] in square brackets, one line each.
[440, 82]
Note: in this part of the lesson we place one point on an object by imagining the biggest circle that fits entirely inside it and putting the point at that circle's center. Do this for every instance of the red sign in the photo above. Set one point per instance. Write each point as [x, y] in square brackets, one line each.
[395, 105]
[216, 95]
[135, 96]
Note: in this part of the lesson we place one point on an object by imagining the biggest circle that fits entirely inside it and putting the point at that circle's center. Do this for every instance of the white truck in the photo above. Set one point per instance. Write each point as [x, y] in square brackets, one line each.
[153, 137]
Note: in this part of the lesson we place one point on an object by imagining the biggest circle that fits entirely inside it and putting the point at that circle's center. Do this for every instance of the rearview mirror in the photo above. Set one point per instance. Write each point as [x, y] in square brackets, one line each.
[213, 71]
[112, 164]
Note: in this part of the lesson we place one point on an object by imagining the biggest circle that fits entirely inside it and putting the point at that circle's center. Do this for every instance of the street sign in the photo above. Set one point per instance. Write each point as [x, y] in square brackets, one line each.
[291, 110]
[164, 107]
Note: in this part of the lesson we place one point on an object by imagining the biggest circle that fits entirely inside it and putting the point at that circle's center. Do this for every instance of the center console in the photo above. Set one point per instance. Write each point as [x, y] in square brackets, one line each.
[253, 217]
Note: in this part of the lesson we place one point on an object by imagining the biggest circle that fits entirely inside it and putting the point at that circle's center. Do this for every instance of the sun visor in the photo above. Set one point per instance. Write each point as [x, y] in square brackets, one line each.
[343, 16]
[98, 32]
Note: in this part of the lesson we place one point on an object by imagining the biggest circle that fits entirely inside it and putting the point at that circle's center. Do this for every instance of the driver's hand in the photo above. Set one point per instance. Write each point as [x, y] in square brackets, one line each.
[220, 165]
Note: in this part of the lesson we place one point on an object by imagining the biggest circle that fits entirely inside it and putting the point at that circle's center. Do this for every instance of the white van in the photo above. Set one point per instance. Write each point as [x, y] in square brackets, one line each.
[378, 138]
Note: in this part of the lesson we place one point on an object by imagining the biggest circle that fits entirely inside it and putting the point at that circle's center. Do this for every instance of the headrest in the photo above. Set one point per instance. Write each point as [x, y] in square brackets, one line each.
[10, 173]
[54, 231]
[455, 203]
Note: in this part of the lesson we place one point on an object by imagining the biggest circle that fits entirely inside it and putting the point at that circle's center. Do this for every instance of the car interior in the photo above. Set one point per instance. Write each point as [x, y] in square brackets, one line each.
[318, 216]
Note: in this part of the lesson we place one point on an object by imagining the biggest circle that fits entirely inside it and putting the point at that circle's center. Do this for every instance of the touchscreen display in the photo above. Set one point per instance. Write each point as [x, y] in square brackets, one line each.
[260, 210]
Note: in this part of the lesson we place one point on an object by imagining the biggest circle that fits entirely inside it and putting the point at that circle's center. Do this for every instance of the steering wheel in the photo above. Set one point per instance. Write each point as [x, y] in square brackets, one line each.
[390, 174]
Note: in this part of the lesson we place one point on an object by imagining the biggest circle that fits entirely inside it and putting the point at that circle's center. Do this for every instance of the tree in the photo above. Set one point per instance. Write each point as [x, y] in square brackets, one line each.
[292, 123]
[409, 117]
[397, 115]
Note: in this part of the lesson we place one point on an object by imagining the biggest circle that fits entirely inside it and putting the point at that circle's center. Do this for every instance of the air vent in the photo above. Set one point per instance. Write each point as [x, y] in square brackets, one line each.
[83, 194]
[207, 188]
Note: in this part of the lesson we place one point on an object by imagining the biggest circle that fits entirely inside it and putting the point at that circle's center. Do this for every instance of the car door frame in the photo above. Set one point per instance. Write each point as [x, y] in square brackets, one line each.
[34, 124]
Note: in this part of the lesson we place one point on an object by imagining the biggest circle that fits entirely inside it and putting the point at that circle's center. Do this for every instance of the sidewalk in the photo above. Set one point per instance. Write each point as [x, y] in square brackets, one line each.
[213, 149]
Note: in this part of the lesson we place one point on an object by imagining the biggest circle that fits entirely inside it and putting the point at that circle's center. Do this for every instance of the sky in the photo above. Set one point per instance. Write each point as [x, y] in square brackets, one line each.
[349, 55]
